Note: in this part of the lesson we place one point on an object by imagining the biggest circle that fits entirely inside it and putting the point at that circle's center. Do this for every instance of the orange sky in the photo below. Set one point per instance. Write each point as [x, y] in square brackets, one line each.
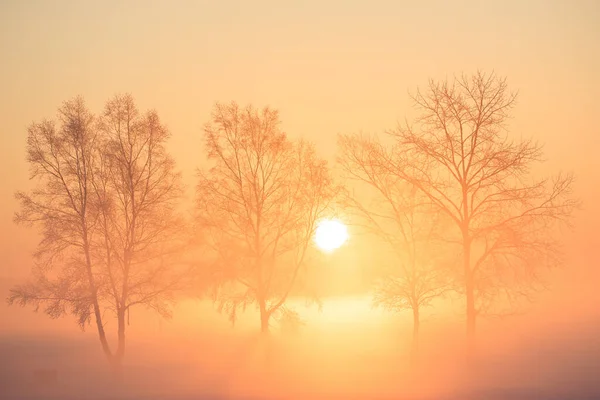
[328, 66]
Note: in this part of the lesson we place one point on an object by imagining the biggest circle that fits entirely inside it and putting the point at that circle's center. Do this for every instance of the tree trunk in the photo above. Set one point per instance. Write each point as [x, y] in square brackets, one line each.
[100, 327]
[94, 290]
[470, 297]
[265, 338]
[116, 361]
[414, 350]
[471, 321]
[120, 333]
[264, 318]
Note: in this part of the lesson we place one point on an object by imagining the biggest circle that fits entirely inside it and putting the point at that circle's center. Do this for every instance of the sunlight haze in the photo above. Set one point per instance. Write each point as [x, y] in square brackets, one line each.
[339, 75]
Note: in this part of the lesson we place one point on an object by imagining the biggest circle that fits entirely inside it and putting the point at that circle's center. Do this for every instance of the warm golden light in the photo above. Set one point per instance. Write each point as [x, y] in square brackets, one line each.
[283, 206]
[331, 234]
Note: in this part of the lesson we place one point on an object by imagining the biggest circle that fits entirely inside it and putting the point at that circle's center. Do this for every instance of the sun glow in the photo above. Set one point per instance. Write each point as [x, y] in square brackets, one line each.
[331, 234]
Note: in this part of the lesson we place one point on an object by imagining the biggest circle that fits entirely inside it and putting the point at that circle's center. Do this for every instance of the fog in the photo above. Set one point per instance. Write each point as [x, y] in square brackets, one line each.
[338, 75]
[358, 356]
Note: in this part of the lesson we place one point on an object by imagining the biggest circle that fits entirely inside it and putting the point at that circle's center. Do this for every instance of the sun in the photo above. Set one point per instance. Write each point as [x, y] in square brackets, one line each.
[330, 234]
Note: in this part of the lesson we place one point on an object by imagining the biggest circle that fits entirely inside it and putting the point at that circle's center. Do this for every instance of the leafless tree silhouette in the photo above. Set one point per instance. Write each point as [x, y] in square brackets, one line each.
[460, 156]
[395, 211]
[258, 206]
[105, 204]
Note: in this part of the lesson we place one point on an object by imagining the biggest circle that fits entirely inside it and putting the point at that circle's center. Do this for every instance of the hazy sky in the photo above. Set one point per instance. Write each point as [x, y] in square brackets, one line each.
[328, 66]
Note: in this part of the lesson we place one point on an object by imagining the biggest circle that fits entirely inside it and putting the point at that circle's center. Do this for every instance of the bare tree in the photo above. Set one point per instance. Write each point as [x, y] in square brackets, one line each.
[460, 156]
[258, 206]
[395, 211]
[106, 207]
[142, 233]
